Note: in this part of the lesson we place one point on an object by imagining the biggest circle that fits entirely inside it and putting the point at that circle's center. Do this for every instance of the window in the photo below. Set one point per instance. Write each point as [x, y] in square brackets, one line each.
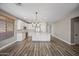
[6, 28]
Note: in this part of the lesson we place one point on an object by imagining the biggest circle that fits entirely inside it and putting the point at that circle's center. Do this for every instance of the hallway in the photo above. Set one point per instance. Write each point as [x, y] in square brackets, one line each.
[29, 48]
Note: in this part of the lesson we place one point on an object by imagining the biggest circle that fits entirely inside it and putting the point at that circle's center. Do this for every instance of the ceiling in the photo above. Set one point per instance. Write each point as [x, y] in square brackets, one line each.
[49, 12]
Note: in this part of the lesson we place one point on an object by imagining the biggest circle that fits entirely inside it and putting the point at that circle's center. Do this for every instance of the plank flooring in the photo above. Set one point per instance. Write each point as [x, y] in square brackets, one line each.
[53, 48]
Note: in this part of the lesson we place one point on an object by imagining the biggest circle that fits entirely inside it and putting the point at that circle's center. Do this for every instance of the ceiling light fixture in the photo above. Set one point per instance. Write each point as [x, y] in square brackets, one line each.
[19, 4]
[36, 22]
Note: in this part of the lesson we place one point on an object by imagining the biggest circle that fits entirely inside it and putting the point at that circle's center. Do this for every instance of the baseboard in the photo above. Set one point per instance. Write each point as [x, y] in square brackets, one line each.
[7, 45]
[73, 44]
[63, 40]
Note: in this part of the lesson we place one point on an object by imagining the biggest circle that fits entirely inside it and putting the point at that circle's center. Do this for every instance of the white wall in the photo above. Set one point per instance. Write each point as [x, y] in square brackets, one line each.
[62, 28]
[7, 42]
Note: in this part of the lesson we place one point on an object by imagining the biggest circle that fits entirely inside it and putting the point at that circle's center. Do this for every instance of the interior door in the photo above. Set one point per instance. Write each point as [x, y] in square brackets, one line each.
[76, 32]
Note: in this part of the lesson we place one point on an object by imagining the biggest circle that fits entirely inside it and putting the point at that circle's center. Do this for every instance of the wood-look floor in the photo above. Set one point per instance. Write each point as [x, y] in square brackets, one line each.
[53, 48]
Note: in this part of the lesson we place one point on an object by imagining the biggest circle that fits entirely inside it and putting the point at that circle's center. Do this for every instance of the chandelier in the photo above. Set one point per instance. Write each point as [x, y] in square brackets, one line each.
[36, 23]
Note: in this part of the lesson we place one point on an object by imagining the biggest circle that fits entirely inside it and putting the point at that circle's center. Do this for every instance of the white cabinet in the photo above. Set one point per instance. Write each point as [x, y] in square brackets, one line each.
[21, 36]
[40, 37]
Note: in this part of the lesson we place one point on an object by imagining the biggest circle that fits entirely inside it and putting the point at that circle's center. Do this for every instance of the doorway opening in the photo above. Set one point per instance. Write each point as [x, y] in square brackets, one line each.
[75, 30]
